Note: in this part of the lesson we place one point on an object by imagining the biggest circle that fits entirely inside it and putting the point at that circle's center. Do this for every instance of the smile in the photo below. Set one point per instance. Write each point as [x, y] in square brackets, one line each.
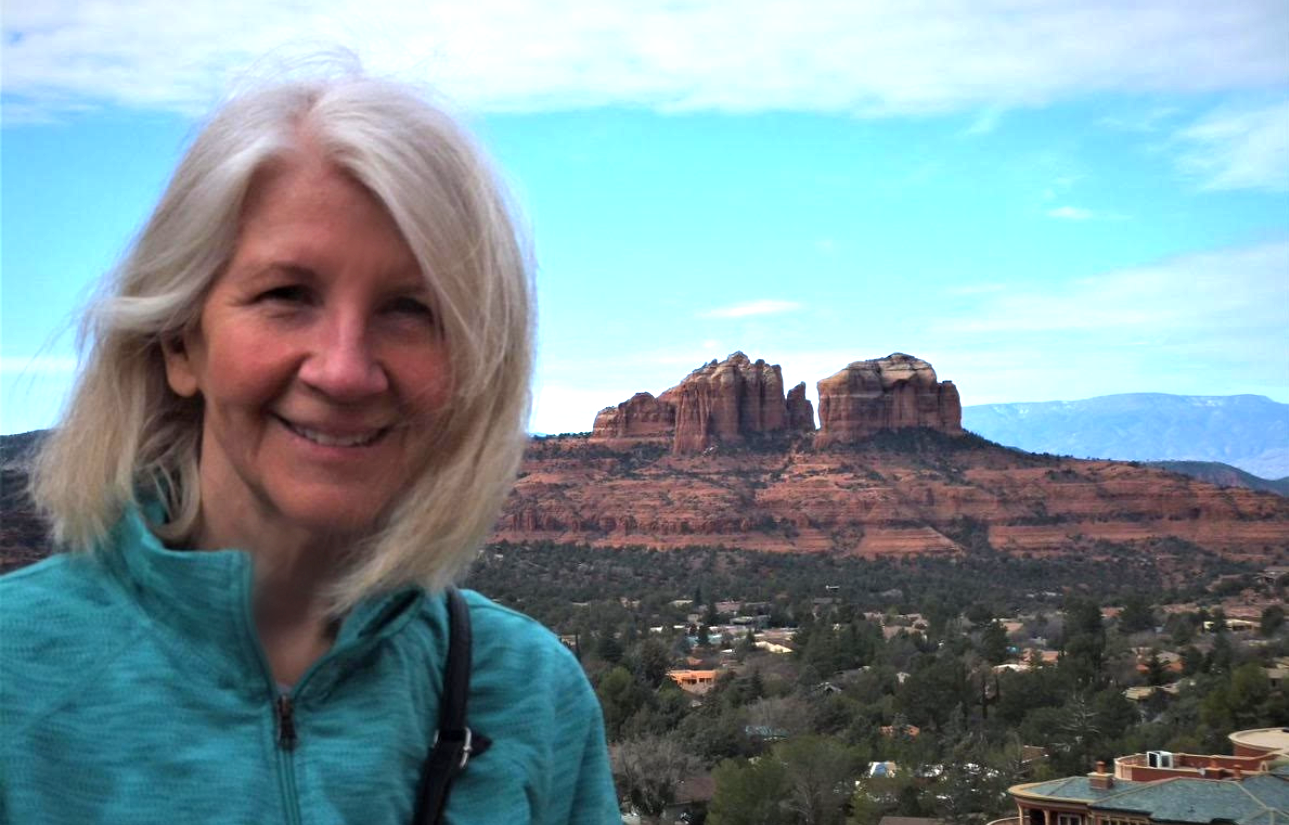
[325, 439]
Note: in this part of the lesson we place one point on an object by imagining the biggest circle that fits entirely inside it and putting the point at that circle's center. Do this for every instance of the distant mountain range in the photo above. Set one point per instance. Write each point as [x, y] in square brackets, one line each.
[1250, 432]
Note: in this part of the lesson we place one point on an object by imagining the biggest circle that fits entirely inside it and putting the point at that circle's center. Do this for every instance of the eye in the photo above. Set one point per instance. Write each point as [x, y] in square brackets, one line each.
[407, 305]
[287, 293]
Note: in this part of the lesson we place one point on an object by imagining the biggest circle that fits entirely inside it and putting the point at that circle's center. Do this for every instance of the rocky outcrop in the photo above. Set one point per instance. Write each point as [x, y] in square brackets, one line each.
[801, 413]
[720, 402]
[727, 401]
[890, 393]
[641, 417]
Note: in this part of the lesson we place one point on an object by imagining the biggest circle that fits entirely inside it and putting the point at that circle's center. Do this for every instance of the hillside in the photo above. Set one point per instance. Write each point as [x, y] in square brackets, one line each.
[1223, 475]
[1250, 432]
[907, 492]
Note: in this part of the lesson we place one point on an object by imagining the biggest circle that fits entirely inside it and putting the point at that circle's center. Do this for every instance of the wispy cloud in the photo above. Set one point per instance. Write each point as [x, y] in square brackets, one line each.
[1245, 148]
[985, 122]
[37, 364]
[1210, 298]
[873, 58]
[1070, 213]
[1079, 213]
[763, 307]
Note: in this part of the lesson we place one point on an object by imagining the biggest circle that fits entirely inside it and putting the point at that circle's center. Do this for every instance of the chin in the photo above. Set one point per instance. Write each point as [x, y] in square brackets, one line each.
[336, 517]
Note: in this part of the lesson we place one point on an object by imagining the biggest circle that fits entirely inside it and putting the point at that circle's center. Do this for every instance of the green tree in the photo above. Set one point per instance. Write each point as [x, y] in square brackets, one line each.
[749, 793]
[932, 694]
[1156, 670]
[1085, 641]
[651, 662]
[1273, 618]
[820, 771]
[1137, 614]
[608, 648]
[621, 696]
[993, 643]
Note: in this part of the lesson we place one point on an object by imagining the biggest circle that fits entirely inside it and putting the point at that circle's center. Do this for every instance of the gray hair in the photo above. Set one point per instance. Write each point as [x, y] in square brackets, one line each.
[126, 436]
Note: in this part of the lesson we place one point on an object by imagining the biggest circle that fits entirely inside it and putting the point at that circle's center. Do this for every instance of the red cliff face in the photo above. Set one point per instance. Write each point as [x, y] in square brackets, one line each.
[726, 401]
[889, 393]
[801, 413]
[640, 418]
[917, 492]
[720, 402]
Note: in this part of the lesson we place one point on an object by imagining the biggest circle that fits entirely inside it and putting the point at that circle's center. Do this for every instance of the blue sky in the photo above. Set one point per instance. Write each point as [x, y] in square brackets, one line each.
[1045, 200]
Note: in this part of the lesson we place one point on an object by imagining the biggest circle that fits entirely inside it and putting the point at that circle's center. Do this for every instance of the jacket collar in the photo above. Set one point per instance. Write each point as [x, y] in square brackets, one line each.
[205, 598]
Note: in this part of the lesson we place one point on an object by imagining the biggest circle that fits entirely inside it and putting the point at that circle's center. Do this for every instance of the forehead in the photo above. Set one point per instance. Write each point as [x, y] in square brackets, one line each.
[303, 206]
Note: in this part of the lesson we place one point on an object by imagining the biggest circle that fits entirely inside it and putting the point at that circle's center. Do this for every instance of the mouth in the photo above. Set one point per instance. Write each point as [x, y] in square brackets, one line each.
[325, 438]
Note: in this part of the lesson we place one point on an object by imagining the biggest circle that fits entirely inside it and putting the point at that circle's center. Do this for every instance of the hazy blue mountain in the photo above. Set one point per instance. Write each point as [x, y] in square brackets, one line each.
[1223, 475]
[1246, 431]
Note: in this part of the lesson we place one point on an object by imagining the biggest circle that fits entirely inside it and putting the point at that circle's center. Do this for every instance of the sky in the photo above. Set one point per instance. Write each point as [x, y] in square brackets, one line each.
[1046, 200]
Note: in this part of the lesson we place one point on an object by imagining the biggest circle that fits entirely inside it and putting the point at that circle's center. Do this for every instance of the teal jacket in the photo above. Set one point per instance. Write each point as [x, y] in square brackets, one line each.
[135, 691]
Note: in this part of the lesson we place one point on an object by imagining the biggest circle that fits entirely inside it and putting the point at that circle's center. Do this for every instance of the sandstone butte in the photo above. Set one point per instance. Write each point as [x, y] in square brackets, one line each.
[725, 459]
[731, 401]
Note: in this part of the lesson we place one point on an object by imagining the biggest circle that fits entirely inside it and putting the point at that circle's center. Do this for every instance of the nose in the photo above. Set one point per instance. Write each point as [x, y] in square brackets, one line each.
[342, 364]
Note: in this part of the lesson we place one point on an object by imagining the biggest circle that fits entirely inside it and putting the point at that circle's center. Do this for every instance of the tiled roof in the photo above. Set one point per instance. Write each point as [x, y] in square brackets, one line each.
[1075, 788]
[1271, 790]
[1257, 800]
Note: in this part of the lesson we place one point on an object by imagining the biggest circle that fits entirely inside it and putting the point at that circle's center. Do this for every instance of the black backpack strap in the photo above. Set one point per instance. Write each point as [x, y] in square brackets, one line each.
[454, 742]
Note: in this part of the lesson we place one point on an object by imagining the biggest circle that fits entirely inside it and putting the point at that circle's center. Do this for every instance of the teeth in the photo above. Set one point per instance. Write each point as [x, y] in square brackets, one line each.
[325, 440]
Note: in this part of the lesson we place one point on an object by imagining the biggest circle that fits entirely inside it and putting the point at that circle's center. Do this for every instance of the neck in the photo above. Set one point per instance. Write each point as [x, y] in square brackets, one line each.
[293, 568]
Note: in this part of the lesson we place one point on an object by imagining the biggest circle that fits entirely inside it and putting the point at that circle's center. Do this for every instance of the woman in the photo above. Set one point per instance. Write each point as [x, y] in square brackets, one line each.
[302, 411]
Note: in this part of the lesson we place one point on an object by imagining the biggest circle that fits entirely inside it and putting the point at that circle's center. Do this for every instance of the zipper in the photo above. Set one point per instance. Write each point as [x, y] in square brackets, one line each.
[285, 723]
[286, 738]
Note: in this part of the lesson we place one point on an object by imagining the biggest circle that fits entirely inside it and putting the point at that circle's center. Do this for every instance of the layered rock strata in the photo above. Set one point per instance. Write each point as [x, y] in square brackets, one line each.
[721, 401]
[801, 413]
[890, 393]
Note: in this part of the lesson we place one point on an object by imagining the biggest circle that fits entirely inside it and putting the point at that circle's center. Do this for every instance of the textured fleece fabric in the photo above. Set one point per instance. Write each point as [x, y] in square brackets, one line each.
[134, 690]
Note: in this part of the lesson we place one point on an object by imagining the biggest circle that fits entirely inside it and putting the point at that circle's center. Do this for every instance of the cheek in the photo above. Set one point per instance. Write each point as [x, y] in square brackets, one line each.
[427, 382]
[245, 369]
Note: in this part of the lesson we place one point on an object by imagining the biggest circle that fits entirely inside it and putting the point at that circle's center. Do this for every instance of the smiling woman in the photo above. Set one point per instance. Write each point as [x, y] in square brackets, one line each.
[303, 407]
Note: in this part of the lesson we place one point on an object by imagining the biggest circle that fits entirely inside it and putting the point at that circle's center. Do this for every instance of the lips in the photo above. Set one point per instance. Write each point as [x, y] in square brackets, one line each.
[335, 437]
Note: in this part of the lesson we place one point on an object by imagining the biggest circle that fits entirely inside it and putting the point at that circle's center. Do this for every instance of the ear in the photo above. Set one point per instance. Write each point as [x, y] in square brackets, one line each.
[181, 372]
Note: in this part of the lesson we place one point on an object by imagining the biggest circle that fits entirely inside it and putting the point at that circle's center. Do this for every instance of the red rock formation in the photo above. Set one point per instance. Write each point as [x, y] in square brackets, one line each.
[727, 401]
[640, 418]
[943, 495]
[888, 393]
[801, 413]
[721, 401]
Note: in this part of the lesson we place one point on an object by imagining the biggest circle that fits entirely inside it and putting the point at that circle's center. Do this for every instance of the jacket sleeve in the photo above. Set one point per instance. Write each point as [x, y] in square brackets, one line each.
[594, 797]
[588, 785]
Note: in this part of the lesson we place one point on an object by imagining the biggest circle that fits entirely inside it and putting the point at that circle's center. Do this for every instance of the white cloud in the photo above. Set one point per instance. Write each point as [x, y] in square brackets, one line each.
[763, 307]
[985, 122]
[871, 58]
[1070, 213]
[1246, 148]
[1208, 300]
[1078, 213]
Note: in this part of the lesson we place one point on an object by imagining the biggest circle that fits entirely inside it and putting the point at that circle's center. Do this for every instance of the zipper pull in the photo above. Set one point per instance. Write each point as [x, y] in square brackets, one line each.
[285, 723]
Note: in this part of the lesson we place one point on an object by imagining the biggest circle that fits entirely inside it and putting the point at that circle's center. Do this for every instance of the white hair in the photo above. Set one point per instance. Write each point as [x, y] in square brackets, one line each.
[126, 436]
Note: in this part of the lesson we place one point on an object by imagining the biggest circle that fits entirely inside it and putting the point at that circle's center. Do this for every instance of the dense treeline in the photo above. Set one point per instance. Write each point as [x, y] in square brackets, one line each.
[786, 737]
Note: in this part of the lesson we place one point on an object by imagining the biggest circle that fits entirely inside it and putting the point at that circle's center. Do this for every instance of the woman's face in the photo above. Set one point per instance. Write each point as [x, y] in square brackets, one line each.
[320, 365]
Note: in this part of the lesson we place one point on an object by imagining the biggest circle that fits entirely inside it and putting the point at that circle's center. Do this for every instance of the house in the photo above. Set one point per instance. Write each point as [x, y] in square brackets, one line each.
[1250, 787]
[694, 681]
[909, 820]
